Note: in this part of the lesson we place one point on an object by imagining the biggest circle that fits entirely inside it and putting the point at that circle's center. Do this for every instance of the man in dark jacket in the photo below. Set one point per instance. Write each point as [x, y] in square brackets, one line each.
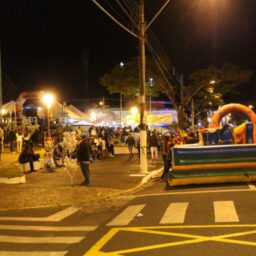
[130, 142]
[28, 156]
[153, 144]
[83, 157]
[12, 139]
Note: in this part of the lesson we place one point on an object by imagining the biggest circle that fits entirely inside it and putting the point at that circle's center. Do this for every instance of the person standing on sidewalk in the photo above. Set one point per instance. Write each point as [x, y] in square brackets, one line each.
[153, 143]
[130, 142]
[1, 141]
[12, 139]
[111, 145]
[19, 140]
[83, 157]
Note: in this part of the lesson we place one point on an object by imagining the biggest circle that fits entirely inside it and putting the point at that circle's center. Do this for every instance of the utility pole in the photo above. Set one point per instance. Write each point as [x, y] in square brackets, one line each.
[1, 81]
[142, 99]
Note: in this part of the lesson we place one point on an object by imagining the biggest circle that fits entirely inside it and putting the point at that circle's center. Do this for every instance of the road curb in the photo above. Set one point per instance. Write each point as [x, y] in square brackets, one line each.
[14, 180]
[151, 175]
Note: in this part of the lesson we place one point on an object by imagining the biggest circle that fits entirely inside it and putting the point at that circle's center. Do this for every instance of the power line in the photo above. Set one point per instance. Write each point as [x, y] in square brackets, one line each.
[115, 20]
[125, 11]
[116, 12]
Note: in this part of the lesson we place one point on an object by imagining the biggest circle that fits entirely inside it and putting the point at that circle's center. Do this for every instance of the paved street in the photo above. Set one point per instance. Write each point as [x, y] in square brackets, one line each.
[183, 221]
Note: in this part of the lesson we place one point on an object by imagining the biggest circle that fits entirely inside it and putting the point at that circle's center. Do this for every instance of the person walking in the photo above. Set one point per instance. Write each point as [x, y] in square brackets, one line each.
[168, 145]
[130, 142]
[26, 137]
[1, 141]
[83, 157]
[12, 139]
[111, 145]
[19, 140]
[153, 144]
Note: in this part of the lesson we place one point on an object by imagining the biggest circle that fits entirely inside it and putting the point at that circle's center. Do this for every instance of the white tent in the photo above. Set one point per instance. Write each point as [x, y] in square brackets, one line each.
[78, 112]
[71, 113]
[9, 107]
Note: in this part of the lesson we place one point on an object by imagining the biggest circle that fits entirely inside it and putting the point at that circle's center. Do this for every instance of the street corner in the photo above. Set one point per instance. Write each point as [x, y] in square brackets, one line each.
[176, 239]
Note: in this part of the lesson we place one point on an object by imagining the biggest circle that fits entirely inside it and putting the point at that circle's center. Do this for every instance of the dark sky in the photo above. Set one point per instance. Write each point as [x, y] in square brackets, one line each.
[43, 40]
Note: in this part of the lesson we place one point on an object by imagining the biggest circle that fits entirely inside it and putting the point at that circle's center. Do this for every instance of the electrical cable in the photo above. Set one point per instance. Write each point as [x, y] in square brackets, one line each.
[115, 20]
[116, 12]
[130, 14]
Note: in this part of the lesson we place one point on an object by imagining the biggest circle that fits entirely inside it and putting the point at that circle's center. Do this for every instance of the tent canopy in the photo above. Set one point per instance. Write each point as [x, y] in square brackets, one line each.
[9, 107]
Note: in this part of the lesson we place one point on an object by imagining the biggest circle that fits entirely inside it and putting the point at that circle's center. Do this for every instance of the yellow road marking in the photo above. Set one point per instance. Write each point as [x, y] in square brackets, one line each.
[95, 250]
[163, 233]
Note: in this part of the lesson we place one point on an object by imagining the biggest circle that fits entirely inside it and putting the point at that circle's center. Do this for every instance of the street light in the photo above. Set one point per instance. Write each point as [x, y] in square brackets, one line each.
[151, 84]
[134, 110]
[121, 64]
[48, 100]
[250, 106]
[3, 111]
[121, 99]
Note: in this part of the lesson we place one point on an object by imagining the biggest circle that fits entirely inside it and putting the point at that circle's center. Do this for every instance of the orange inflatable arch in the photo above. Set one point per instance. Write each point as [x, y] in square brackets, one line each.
[230, 108]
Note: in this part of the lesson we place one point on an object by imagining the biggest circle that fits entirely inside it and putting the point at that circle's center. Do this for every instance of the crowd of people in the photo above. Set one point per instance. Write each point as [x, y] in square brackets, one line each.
[94, 144]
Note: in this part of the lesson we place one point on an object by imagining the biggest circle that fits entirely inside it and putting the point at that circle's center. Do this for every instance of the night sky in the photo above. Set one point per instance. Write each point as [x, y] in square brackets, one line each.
[42, 40]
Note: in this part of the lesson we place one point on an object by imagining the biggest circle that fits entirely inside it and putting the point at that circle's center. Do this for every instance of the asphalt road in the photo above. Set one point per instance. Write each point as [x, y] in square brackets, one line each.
[184, 221]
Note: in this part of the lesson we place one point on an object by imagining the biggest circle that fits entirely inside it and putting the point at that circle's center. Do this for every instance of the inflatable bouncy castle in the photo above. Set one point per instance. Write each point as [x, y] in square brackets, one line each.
[222, 155]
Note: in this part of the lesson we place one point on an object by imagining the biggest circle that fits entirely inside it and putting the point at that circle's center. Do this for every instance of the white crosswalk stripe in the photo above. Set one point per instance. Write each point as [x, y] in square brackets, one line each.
[225, 211]
[46, 235]
[47, 228]
[41, 240]
[175, 213]
[56, 217]
[126, 216]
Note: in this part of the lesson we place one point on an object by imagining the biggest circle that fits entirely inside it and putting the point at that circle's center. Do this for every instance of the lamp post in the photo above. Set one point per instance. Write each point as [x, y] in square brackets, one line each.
[121, 98]
[48, 100]
[151, 84]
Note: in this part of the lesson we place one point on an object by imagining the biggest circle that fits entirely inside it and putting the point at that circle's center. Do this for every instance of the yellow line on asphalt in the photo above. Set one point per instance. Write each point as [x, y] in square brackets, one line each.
[139, 230]
[95, 250]
[238, 234]
[200, 226]
[158, 246]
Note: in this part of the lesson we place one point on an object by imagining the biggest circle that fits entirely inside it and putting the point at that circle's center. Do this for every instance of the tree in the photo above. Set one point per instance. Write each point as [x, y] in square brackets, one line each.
[208, 86]
[197, 87]
[125, 79]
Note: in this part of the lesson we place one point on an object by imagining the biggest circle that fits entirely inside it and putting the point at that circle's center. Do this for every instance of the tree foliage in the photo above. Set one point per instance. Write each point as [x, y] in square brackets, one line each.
[198, 86]
[126, 79]
[208, 86]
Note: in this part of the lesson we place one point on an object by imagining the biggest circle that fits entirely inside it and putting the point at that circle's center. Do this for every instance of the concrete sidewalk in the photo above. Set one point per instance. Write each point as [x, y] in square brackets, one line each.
[108, 177]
